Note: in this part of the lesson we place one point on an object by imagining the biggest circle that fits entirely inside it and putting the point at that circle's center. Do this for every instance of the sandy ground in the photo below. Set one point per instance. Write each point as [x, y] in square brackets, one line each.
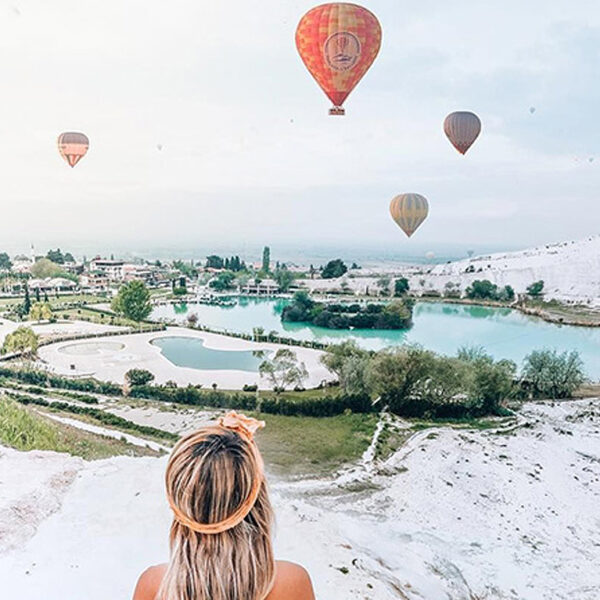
[455, 514]
[137, 352]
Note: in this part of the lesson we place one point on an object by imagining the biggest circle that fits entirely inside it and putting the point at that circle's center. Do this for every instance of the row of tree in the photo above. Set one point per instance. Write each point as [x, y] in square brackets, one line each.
[415, 382]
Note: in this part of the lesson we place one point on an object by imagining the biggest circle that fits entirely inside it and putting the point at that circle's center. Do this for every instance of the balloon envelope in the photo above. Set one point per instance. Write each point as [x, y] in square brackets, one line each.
[338, 42]
[462, 129]
[73, 146]
[409, 211]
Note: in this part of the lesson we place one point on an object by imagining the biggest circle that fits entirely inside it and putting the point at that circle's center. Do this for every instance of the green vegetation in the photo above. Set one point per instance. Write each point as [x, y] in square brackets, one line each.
[283, 369]
[334, 269]
[548, 374]
[133, 301]
[401, 286]
[284, 278]
[139, 377]
[483, 289]
[308, 445]
[5, 262]
[99, 416]
[40, 311]
[56, 256]
[393, 315]
[23, 340]
[351, 365]
[266, 259]
[535, 289]
[223, 281]
[25, 430]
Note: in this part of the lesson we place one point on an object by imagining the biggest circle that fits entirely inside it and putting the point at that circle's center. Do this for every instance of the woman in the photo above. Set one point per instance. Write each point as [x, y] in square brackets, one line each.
[222, 520]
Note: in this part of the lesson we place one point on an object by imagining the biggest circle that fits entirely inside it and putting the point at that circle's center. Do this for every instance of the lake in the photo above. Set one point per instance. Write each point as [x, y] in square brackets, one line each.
[503, 332]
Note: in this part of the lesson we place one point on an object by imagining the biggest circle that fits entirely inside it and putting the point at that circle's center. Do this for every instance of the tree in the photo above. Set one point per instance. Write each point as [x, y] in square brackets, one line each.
[44, 268]
[138, 377]
[133, 301]
[40, 311]
[214, 262]
[56, 256]
[535, 289]
[401, 286]
[482, 289]
[5, 262]
[553, 375]
[266, 259]
[257, 333]
[26, 306]
[334, 269]
[284, 278]
[384, 284]
[23, 340]
[395, 373]
[223, 281]
[69, 258]
[350, 363]
[283, 369]
[492, 382]
[192, 319]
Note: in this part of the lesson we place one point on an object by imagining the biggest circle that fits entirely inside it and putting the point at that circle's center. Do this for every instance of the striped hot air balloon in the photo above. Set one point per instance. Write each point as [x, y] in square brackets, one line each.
[462, 129]
[73, 146]
[338, 42]
[409, 211]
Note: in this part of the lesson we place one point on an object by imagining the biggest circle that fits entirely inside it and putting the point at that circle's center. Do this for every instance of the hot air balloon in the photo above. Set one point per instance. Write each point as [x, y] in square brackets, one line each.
[338, 42]
[532, 109]
[73, 146]
[409, 211]
[462, 129]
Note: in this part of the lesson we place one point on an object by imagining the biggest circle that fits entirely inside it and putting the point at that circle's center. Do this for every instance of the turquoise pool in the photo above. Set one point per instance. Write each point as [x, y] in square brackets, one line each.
[503, 332]
[191, 352]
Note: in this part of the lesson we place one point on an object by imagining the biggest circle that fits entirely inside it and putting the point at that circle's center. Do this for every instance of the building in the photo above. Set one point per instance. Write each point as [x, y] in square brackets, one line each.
[265, 287]
[52, 284]
[112, 269]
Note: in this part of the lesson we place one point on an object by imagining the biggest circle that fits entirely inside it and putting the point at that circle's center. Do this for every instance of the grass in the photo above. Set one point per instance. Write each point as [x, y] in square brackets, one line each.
[24, 429]
[314, 446]
[83, 314]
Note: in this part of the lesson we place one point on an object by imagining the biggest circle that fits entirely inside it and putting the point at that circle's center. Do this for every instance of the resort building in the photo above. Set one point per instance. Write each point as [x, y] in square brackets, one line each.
[113, 269]
[266, 287]
[93, 282]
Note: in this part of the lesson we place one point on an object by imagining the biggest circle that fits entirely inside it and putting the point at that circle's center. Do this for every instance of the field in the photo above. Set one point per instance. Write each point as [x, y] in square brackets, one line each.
[24, 429]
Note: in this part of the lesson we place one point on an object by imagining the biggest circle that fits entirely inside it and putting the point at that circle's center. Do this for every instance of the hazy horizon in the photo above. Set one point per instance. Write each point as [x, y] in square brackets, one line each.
[249, 155]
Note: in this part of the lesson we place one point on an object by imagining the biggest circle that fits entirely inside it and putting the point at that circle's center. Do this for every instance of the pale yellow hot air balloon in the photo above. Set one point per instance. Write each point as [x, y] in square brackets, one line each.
[73, 146]
[409, 211]
[462, 129]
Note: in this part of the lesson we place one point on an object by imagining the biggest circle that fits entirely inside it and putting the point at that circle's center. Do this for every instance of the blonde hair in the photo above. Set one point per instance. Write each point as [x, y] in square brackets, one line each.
[221, 532]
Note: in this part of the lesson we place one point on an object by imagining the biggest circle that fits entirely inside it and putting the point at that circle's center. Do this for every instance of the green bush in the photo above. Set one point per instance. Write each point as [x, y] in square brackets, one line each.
[138, 377]
[548, 374]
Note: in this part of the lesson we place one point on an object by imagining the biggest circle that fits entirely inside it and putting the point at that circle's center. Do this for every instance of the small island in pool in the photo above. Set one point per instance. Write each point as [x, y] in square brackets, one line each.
[396, 314]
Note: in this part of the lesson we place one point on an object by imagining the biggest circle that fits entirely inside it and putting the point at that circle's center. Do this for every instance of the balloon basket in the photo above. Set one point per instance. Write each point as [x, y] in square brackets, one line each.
[337, 111]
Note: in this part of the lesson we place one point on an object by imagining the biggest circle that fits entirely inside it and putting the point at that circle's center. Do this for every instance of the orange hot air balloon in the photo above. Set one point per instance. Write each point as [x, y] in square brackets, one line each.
[338, 42]
[409, 211]
[462, 129]
[73, 146]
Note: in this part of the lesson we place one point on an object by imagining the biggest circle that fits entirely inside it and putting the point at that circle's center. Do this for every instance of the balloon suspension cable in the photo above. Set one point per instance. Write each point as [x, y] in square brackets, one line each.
[337, 111]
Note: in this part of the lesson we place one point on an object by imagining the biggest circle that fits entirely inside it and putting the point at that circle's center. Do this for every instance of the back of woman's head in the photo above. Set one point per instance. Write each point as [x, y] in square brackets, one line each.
[221, 532]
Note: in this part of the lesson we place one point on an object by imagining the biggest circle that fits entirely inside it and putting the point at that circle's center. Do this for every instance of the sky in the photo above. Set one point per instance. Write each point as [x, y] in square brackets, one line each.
[249, 154]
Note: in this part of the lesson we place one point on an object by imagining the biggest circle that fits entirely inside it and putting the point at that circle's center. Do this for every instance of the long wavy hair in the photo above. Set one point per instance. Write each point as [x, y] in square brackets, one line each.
[211, 473]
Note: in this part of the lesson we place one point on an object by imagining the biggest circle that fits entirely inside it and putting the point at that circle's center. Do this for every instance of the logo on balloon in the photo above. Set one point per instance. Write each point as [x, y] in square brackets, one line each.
[342, 51]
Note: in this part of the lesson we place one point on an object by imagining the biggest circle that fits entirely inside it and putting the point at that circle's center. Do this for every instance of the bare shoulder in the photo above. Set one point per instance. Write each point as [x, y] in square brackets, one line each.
[149, 582]
[292, 582]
